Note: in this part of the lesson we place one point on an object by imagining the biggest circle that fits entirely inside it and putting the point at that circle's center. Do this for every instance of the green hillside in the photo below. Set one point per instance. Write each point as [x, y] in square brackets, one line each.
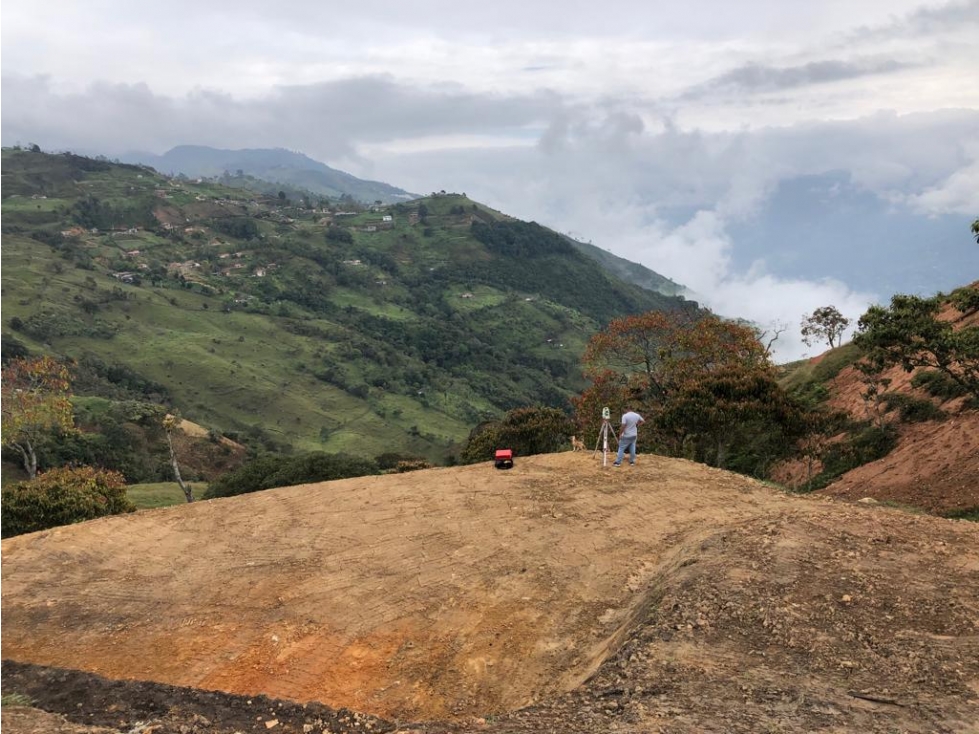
[629, 271]
[394, 328]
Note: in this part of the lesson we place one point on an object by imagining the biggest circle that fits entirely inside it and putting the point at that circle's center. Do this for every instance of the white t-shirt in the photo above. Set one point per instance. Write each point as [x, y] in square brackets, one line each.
[630, 424]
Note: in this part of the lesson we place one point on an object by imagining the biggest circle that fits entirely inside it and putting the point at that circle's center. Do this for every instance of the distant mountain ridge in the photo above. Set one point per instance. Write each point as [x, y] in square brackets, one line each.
[277, 165]
[629, 271]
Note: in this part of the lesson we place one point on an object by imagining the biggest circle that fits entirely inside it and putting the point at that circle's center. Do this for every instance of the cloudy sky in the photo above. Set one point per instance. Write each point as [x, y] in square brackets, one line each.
[772, 155]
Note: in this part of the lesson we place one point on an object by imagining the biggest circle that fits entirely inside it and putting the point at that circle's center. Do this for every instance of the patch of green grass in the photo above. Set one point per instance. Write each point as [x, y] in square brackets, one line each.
[161, 494]
[970, 513]
[834, 361]
[809, 380]
[16, 699]
[344, 297]
[910, 509]
[465, 300]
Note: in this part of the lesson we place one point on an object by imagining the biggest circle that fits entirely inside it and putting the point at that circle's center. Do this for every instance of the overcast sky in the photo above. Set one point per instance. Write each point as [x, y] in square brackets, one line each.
[651, 128]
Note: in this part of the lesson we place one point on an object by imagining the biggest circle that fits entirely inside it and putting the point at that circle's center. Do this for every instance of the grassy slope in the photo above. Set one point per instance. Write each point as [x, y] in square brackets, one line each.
[233, 366]
[161, 494]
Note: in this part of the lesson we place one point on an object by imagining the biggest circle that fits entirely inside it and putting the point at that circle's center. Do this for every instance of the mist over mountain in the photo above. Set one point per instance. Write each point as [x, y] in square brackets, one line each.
[276, 165]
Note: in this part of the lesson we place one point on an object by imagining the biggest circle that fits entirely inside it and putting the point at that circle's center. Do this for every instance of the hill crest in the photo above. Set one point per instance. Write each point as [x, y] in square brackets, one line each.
[540, 596]
[276, 165]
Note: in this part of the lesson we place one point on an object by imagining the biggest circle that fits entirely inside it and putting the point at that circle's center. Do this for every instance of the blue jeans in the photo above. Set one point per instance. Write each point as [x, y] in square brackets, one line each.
[627, 444]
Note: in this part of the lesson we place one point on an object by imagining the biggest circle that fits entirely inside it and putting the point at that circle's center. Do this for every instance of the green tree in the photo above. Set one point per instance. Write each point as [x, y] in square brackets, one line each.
[36, 397]
[63, 496]
[339, 234]
[912, 333]
[726, 407]
[824, 323]
[532, 430]
[704, 385]
[267, 472]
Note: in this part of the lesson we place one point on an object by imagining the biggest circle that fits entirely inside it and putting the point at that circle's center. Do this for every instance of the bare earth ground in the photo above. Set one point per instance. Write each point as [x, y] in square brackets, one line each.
[935, 465]
[556, 597]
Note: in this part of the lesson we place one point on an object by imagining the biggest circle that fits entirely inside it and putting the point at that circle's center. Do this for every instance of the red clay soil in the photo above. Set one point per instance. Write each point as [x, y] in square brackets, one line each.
[555, 597]
[935, 465]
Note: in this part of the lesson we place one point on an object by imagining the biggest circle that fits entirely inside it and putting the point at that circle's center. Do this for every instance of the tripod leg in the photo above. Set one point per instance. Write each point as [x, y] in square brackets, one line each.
[605, 428]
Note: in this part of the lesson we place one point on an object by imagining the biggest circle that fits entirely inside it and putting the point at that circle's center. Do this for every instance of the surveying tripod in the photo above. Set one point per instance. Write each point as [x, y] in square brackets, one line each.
[603, 436]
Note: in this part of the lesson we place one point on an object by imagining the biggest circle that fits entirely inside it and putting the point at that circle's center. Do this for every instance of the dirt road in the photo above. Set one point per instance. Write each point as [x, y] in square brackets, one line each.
[663, 597]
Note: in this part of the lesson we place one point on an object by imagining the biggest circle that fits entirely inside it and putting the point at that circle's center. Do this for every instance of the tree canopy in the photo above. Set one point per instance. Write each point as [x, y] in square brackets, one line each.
[704, 385]
[36, 398]
[826, 323]
[912, 333]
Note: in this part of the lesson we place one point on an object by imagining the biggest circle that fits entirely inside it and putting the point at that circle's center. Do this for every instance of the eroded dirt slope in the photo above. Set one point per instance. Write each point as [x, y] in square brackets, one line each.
[454, 594]
[935, 464]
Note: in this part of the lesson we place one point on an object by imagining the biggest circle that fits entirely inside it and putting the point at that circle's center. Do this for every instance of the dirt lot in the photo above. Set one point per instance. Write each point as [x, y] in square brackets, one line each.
[556, 597]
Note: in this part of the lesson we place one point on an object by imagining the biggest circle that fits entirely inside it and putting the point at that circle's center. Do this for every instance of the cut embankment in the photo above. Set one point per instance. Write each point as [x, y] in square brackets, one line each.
[452, 593]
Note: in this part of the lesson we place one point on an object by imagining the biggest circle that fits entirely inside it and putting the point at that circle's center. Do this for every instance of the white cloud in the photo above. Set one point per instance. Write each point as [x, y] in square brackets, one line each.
[958, 193]
[647, 127]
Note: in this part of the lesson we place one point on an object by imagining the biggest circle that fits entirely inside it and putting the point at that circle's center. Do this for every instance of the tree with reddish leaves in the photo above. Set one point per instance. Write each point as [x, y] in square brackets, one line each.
[36, 397]
[635, 348]
[704, 384]
[609, 389]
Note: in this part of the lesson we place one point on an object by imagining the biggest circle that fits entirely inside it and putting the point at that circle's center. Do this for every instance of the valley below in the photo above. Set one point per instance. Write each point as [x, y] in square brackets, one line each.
[559, 596]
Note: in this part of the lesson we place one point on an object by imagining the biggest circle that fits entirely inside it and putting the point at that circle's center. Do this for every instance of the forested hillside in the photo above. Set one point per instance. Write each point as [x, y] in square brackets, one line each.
[308, 323]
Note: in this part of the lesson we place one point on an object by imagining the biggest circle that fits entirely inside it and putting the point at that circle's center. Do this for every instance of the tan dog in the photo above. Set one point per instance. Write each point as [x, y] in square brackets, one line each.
[577, 444]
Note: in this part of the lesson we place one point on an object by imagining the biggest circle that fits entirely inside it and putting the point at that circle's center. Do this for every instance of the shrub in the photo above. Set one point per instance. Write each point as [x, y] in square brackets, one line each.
[339, 234]
[412, 465]
[13, 348]
[866, 444]
[966, 300]
[61, 497]
[391, 459]
[527, 431]
[938, 384]
[913, 409]
[271, 471]
[969, 513]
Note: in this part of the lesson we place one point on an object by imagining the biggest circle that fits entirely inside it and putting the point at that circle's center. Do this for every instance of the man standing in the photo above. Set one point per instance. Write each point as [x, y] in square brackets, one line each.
[631, 421]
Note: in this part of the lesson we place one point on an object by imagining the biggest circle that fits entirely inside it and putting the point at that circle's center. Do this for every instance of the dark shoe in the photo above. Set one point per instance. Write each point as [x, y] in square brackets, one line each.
[615, 463]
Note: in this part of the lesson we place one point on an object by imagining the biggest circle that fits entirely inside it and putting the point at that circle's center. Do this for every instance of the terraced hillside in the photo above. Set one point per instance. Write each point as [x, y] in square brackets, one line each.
[558, 596]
